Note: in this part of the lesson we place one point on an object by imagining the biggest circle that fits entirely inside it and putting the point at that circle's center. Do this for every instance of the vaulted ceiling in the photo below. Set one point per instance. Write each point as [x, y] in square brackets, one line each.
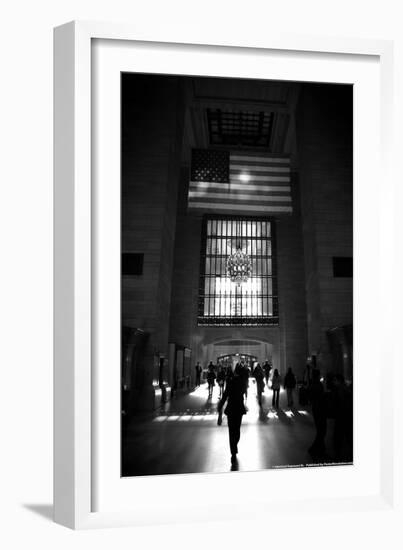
[240, 114]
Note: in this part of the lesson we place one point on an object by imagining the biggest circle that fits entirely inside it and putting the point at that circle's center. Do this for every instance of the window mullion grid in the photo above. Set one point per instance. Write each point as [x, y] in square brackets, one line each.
[230, 304]
[214, 260]
[219, 237]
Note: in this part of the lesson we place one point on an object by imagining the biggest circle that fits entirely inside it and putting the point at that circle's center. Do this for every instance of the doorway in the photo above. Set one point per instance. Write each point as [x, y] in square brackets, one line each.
[232, 359]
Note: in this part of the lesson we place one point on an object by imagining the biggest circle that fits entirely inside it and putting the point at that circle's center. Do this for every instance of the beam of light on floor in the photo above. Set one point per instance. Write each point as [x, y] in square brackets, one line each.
[290, 414]
[160, 418]
[303, 413]
[272, 414]
[185, 418]
[173, 418]
[249, 420]
[210, 417]
[202, 393]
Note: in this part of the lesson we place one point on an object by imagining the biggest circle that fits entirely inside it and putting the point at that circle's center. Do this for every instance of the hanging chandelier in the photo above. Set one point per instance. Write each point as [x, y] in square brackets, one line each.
[239, 267]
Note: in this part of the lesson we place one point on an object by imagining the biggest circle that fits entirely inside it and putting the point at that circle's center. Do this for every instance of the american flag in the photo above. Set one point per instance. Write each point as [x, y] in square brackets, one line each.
[239, 182]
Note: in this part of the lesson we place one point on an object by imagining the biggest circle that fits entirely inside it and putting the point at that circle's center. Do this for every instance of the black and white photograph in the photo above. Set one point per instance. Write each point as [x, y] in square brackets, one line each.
[201, 275]
[236, 274]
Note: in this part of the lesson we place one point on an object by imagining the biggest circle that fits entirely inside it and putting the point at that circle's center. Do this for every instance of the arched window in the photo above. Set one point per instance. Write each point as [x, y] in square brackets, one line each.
[252, 302]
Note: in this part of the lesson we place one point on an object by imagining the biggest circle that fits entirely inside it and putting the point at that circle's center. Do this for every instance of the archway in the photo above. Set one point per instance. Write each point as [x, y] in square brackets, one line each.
[232, 359]
[249, 349]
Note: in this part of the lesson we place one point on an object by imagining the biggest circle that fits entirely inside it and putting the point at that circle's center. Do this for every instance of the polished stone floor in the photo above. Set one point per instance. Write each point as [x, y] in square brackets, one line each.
[184, 437]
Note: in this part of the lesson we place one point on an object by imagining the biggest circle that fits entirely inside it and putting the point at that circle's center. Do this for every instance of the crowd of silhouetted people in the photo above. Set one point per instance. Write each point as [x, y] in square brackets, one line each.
[330, 400]
[221, 374]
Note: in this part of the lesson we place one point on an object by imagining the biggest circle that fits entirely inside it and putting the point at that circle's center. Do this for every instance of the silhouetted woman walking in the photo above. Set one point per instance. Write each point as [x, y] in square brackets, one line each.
[275, 386]
[210, 379]
[290, 383]
[235, 409]
[221, 380]
[259, 377]
[317, 398]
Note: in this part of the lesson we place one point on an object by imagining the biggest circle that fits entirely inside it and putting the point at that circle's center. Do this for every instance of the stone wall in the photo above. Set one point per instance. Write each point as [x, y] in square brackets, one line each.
[324, 140]
[152, 130]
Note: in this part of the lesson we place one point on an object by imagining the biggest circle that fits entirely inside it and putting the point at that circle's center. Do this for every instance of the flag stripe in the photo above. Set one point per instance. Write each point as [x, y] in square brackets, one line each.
[237, 168]
[257, 186]
[234, 197]
[248, 175]
[241, 204]
[260, 160]
[241, 207]
[237, 177]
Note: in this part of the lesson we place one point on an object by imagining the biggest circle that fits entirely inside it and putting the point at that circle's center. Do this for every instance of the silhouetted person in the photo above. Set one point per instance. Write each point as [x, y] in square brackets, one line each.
[290, 383]
[211, 366]
[221, 379]
[318, 401]
[210, 379]
[235, 409]
[308, 374]
[267, 369]
[303, 394]
[198, 370]
[343, 419]
[275, 386]
[259, 377]
[244, 373]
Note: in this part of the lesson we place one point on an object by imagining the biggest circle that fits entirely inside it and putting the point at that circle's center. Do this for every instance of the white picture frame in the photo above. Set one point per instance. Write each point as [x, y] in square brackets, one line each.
[78, 307]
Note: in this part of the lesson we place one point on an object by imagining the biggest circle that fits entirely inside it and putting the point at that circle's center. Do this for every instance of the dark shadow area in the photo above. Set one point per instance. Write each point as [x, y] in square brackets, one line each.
[284, 418]
[263, 416]
[44, 510]
[319, 457]
[303, 418]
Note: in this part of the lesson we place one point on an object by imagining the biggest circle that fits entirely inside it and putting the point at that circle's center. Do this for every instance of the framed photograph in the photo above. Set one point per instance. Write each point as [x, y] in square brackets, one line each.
[221, 269]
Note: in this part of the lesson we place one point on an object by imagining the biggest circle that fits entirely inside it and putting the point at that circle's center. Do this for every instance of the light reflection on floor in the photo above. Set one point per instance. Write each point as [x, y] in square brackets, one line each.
[208, 408]
[183, 437]
[202, 393]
